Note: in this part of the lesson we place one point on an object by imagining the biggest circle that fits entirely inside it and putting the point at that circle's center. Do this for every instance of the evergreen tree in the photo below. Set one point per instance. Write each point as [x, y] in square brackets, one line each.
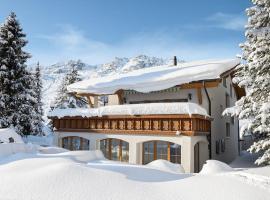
[65, 99]
[37, 123]
[15, 81]
[254, 76]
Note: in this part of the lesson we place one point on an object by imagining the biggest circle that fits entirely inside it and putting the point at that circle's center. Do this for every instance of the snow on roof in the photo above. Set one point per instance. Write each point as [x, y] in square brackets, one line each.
[155, 78]
[6, 133]
[131, 109]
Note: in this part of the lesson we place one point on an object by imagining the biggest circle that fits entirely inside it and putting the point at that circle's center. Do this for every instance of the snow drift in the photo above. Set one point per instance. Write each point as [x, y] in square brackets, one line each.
[13, 148]
[215, 166]
[58, 176]
[51, 150]
[83, 156]
[6, 133]
[132, 109]
[166, 166]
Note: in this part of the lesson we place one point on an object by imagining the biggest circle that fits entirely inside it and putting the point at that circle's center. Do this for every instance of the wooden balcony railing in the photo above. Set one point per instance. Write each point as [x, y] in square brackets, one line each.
[143, 124]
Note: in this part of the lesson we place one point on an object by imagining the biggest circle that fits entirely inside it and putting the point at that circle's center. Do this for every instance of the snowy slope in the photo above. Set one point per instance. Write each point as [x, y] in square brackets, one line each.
[84, 175]
[52, 75]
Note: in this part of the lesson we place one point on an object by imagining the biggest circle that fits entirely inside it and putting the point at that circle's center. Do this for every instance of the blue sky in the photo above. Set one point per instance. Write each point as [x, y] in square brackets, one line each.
[96, 31]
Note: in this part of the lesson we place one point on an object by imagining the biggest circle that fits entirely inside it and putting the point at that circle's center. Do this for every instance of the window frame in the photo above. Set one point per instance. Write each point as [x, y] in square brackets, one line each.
[224, 82]
[227, 100]
[228, 130]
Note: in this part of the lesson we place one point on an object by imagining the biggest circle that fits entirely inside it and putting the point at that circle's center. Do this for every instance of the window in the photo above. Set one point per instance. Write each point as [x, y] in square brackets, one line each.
[227, 100]
[161, 150]
[175, 153]
[159, 101]
[217, 146]
[224, 82]
[75, 143]
[222, 145]
[104, 100]
[148, 148]
[231, 91]
[228, 131]
[115, 149]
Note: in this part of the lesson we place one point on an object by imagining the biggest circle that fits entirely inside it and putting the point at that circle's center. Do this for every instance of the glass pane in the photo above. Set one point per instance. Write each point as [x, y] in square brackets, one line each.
[85, 144]
[65, 143]
[76, 142]
[148, 152]
[104, 148]
[115, 149]
[162, 150]
[175, 153]
[125, 151]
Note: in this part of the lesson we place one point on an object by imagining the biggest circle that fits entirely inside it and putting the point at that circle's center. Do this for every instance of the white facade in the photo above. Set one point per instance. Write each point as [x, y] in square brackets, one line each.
[136, 141]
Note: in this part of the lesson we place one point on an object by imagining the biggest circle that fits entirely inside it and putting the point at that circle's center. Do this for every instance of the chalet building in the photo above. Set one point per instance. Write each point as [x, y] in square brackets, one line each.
[171, 112]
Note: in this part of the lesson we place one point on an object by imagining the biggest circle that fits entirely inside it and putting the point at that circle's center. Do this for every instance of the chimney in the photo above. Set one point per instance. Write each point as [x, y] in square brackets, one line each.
[174, 60]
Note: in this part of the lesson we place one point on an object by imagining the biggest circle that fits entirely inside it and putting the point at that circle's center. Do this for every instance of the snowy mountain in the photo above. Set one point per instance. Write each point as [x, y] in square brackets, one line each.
[52, 75]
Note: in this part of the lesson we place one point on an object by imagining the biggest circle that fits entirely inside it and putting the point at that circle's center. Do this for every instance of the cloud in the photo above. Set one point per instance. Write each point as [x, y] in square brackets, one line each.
[227, 21]
[72, 43]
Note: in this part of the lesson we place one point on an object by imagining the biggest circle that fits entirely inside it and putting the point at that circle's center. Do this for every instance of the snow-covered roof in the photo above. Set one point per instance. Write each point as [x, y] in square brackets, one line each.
[132, 109]
[6, 133]
[155, 78]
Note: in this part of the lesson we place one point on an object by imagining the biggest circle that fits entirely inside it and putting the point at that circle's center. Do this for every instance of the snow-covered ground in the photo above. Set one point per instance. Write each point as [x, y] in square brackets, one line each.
[52, 173]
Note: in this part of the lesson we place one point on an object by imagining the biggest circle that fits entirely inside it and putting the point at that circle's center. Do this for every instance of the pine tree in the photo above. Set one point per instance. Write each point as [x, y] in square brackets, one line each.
[15, 81]
[37, 123]
[65, 99]
[254, 76]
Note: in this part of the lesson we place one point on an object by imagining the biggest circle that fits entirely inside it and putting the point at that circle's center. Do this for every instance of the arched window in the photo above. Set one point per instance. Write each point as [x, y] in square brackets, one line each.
[115, 149]
[74, 143]
[154, 150]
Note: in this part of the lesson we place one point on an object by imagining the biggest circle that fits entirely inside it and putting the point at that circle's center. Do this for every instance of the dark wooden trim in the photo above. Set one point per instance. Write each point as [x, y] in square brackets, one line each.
[138, 125]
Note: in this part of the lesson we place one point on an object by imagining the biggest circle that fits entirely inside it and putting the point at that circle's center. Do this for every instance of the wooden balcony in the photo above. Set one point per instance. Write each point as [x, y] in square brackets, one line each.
[137, 125]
